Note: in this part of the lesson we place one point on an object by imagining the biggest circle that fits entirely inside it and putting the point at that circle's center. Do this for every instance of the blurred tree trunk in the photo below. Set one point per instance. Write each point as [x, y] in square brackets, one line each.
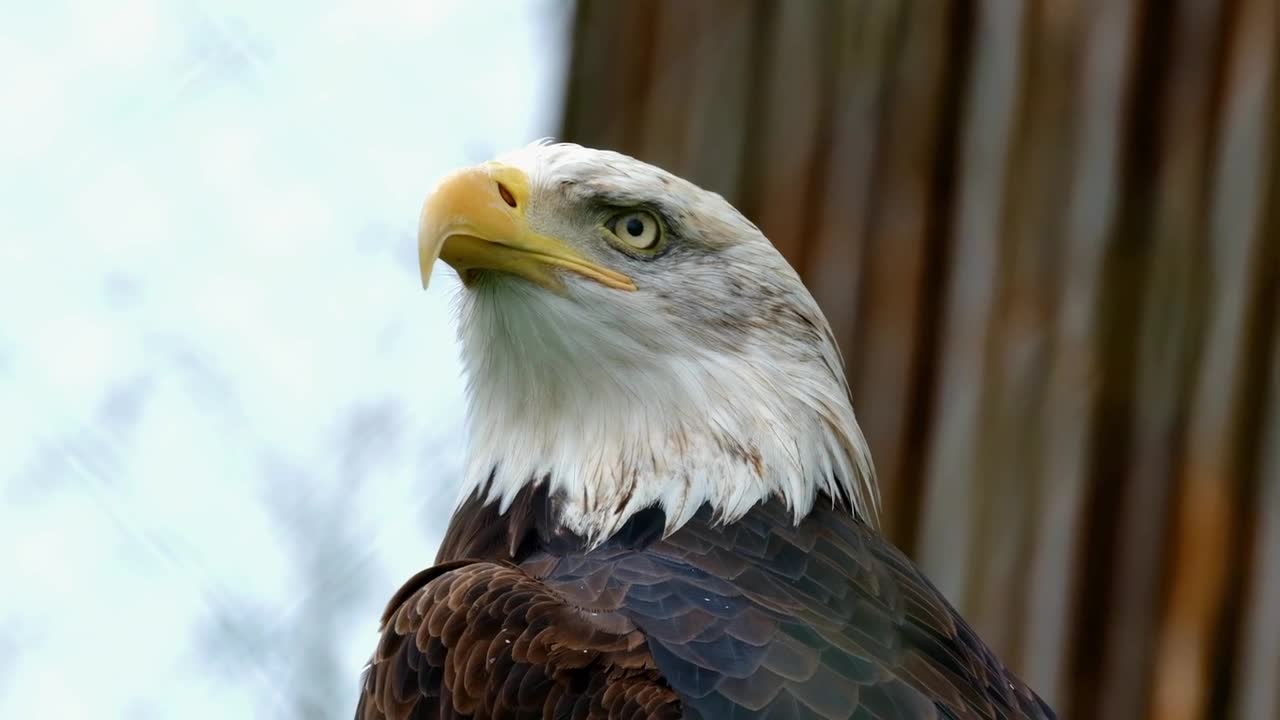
[1047, 235]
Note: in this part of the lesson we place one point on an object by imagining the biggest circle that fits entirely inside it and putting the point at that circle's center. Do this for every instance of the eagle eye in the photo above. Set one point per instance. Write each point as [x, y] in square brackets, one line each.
[637, 228]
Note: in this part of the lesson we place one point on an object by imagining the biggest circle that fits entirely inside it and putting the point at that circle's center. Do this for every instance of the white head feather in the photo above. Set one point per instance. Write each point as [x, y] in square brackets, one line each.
[717, 381]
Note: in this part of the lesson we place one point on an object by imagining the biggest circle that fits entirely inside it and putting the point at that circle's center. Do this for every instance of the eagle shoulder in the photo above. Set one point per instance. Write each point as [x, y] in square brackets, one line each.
[759, 618]
[471, 639]
[825, 620]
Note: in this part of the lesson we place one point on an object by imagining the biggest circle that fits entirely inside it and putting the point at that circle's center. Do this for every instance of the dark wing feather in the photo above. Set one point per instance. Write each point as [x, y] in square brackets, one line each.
[758, 619]
[484, 640]
[764, 619]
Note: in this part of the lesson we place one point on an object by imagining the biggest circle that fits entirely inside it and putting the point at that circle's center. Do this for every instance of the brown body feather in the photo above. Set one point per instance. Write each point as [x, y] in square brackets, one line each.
[758, 619]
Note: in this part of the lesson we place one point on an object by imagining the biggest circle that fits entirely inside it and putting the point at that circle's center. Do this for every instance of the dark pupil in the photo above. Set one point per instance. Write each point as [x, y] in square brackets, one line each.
[635, 227]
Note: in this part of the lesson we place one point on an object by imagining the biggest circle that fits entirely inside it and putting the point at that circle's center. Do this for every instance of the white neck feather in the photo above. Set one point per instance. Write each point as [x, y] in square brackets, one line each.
[617, 424]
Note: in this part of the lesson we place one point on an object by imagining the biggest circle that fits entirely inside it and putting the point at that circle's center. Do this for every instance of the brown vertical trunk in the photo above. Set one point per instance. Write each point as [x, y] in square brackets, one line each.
[1047, 237]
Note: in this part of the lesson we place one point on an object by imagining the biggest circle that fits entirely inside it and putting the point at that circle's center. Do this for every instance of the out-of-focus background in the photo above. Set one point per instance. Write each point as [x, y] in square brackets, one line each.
[230, 418]
[1047, 234]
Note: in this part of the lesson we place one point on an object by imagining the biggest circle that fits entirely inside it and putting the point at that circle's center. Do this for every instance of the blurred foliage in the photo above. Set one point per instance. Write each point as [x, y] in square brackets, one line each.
[230, 418]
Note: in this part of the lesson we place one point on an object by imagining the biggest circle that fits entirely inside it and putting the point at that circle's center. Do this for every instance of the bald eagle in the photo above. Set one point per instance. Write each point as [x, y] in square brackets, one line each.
[668, 509]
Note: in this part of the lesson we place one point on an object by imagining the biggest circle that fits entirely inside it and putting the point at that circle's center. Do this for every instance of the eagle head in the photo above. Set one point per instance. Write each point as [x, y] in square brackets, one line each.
[632, 341]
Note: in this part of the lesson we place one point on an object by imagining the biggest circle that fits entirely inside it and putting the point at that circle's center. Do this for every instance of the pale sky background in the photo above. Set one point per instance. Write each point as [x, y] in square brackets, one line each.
[230, 417]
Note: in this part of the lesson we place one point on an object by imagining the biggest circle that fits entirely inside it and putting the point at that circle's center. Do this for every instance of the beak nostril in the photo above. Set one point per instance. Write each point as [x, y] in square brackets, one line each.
[507, 197]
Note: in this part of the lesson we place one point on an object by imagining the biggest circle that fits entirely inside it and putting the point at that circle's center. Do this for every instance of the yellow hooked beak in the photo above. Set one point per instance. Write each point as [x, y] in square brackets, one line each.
[475, 220]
